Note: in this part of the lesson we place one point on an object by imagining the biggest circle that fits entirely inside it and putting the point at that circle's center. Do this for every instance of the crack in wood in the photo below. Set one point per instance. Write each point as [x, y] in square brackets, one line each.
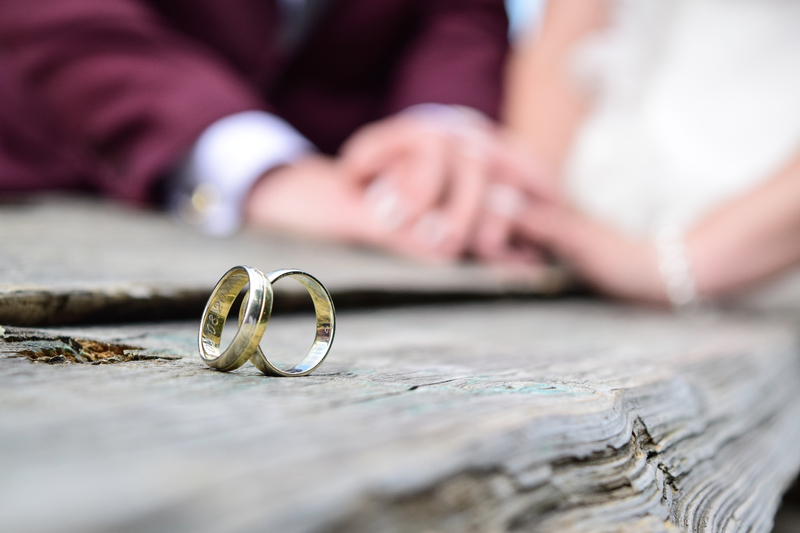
[492, 499]
[39, 347]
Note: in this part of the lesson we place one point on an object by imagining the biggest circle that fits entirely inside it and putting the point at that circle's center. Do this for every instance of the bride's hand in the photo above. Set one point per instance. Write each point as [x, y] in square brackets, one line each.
[610, 261]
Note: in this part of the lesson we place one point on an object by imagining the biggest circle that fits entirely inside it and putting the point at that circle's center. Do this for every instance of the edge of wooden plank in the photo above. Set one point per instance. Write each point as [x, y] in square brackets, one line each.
[28, 305]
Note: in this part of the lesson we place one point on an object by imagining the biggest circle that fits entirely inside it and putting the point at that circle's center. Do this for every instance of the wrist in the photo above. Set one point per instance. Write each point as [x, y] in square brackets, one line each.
[212, 186]
[258, 205]
[273, 197]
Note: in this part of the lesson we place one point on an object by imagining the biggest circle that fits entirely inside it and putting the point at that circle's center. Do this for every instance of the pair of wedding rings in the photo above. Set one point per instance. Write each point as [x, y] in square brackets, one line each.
[254, 315]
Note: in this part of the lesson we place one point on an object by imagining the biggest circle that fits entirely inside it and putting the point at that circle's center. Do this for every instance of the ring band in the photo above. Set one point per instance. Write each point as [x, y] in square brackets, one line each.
[254, 313]
[326, 327]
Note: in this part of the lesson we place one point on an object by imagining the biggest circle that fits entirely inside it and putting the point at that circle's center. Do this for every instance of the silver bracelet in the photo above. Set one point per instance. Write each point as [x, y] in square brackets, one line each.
[675, 267]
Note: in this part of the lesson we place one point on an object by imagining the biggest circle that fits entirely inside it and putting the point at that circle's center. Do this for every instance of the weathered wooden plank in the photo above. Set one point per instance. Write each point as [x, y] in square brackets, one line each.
[72, 260]
[483, 417]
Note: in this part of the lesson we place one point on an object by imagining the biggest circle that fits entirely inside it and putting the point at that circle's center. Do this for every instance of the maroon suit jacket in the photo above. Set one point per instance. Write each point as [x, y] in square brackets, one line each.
[109, 94]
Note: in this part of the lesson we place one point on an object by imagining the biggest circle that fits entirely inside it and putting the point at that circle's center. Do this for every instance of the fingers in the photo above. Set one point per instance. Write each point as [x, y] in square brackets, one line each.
[431, 194]
[430, 165]
[490, 239]
[410, 187]
[372, 148]
[444, 232]
[448, 185]
[428, 186]
[495, 238]
[384, 203]
[404, 165]
[464, 201]
[366, 152]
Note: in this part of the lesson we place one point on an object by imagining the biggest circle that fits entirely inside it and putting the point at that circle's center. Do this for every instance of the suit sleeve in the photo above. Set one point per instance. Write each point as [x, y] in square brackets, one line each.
[128, 94]
[458, 57]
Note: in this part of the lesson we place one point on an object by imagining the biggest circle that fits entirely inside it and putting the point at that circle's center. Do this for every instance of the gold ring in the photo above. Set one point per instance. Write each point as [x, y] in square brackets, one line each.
[255, 312]
[254, 315]
[326, 327]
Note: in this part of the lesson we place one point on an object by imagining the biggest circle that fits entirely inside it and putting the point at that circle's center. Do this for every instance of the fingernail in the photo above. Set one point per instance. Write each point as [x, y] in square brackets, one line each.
[431, 229]
[385, 203]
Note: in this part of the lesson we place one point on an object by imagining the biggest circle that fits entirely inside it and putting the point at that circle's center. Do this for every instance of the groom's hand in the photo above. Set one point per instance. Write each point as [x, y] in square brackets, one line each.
[432, 182]
[314, 198]
[309, 198]
[421, 182]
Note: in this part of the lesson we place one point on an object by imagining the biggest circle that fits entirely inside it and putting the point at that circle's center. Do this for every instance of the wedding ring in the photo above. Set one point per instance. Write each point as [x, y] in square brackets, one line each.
[254, 313]
[326, 326]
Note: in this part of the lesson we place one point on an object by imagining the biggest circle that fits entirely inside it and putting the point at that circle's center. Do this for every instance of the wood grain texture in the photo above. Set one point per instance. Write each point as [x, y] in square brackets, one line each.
[571, 416]
[71, 260]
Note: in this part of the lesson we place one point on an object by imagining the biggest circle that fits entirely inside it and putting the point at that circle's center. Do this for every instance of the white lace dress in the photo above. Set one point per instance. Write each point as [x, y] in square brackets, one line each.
[694, 101]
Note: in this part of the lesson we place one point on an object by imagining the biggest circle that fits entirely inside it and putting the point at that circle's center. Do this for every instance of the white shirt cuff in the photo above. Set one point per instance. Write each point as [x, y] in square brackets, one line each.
[210, 187]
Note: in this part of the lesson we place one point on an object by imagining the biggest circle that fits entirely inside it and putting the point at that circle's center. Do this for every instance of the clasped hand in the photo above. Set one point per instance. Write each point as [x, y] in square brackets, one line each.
[435, 190]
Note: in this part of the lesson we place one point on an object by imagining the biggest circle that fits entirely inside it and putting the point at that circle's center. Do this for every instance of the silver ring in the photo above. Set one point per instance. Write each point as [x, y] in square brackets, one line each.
[326, 327]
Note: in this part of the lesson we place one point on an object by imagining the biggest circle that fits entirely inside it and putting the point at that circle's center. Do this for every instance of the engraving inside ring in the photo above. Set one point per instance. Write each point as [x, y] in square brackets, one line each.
[228, 326]
[253, 318]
